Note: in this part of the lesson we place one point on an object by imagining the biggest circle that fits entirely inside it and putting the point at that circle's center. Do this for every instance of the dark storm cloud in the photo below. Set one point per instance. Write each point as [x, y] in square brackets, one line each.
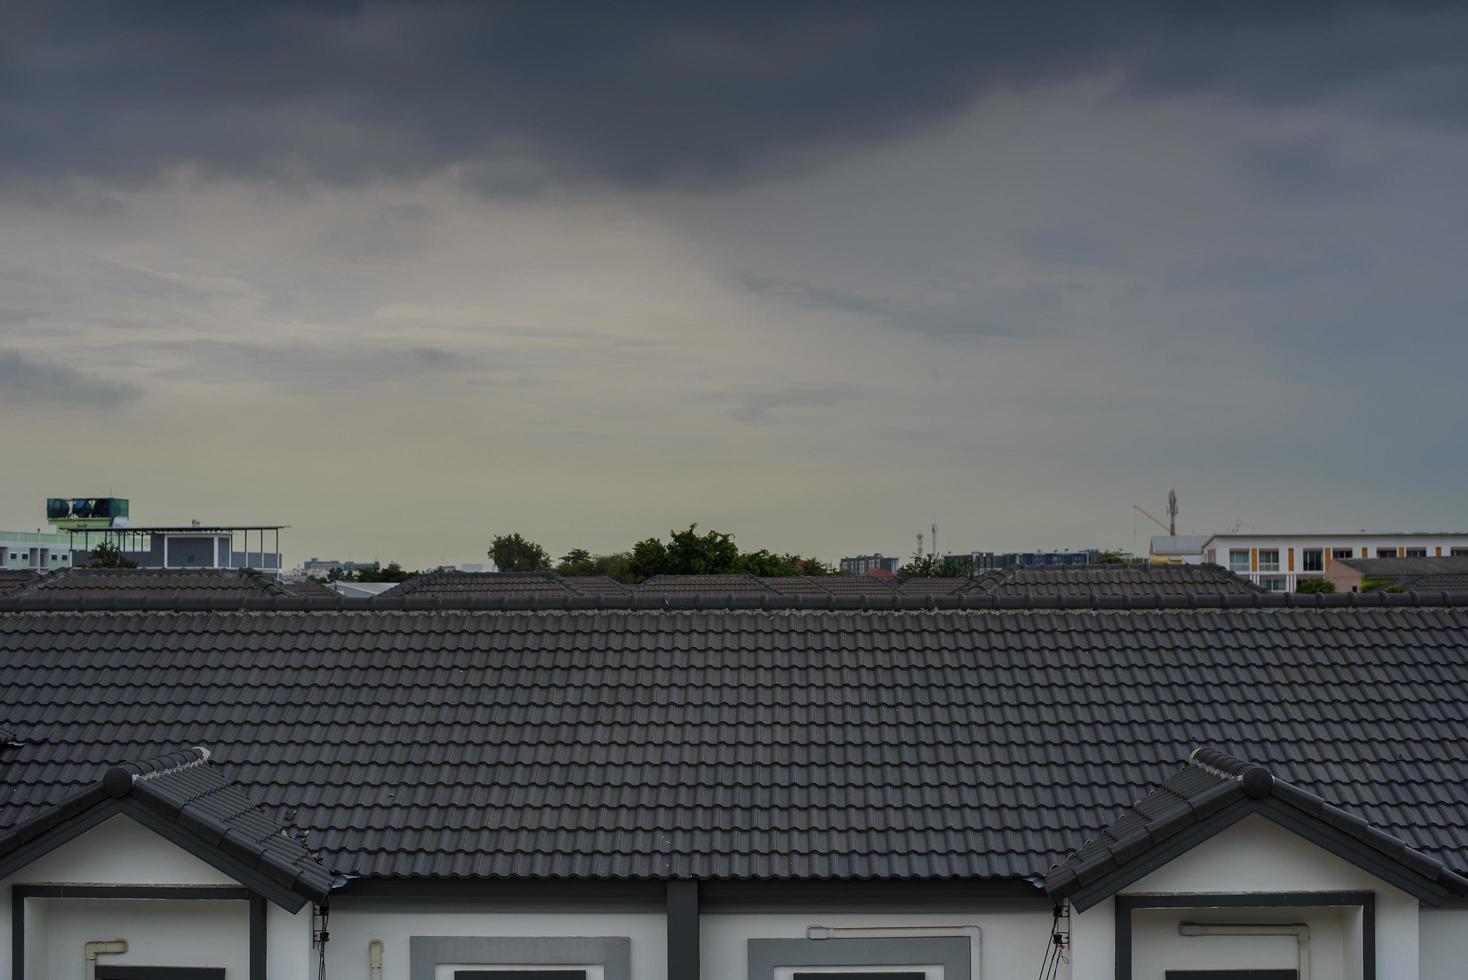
[25, 380]
[638, 95]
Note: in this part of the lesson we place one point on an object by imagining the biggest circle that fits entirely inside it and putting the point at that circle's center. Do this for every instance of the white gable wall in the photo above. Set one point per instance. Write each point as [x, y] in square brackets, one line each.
[1443, 936]
[162, 933]
[1254, 855]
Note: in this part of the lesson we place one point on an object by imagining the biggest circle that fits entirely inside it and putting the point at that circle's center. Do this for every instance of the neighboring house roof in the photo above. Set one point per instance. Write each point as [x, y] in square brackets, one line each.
[180, 796]
[1099, 580]
[651, 742]
[710, 585]
[933, 586]
[1214, 791]
[796, 584]
[15, 579]
[861, 585]
[485, 583]
[1404, 568]
[596, 585]
[1178, 544]
[310, 587]
[142, 583]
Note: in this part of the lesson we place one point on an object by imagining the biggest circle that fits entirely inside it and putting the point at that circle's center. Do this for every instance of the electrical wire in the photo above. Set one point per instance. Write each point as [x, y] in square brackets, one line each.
[321, 939]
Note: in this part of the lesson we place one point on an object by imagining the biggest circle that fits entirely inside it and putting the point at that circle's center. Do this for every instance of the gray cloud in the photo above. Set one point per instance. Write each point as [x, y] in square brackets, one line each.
[641, 94]
[303, 369]
[25, 380]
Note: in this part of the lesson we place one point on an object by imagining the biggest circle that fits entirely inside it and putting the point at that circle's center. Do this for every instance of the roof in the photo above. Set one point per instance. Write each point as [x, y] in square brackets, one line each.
[1215, 790]
[658, 742]
[181, 796]
[15, 579]
[1343, 535]
[485, 583]
[1178, 544]
[933, 586]
[1405, 568]
[1098, 580]
[166, 583]
[596, 585]
[745, 585]
[173, 528]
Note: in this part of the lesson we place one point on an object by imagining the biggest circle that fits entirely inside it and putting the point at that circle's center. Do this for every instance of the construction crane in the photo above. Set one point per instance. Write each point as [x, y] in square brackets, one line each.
[1171, 526]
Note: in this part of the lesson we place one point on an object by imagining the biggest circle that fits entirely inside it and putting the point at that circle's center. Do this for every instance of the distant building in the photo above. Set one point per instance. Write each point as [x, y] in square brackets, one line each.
[44, 551]
[194, 545]
[325, 566]
[866, 564]
[988, 561]
[1177, 549]
[1278, 562]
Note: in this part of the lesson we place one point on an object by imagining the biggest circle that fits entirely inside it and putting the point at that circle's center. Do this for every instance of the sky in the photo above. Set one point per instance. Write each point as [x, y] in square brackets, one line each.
[819, 274]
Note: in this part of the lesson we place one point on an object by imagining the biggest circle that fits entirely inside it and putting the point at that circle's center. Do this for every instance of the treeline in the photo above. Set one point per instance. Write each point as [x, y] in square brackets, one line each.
[683, 553]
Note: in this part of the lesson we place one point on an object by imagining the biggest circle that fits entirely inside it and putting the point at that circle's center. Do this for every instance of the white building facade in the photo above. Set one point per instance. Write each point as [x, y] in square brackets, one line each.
[1280, 562]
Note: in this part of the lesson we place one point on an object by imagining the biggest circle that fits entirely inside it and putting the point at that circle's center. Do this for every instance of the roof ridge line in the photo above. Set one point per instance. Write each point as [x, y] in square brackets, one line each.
[203, 757]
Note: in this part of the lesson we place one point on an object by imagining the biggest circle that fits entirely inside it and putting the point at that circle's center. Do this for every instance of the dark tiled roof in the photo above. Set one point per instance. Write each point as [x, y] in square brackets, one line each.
[1215, 784]
[485, 584]
[210, 583]
[849, 585]
[1406, 567]
[709, 585]
[309, 587]
[15, 579]
[797, 585]
[820, 743]
[933, 586]
[1437, 583]
[186, 791]
[1112, 580]
[596, 585]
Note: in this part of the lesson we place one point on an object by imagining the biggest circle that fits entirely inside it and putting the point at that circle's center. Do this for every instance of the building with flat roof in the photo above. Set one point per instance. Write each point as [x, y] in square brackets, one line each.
[866, 564]
[1279, 562]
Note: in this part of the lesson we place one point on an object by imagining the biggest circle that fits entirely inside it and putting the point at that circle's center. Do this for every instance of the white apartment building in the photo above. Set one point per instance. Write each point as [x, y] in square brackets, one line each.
[1278, 562]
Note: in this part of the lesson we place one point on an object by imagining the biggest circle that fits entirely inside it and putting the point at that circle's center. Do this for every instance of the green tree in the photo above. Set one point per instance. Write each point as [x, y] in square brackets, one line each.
[921, 566]
[512, 553]
[814, 566]
[1310, 586]
[767, 564]
[577, 561]
[109, 555]
[391, 572]
[686, 553]
[1110, 558]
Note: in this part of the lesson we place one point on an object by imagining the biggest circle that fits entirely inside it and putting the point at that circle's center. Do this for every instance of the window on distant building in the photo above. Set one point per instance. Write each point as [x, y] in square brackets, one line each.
[1415, 553]
[1274, 583]
[1238, 559]
[1454, 552]
[1339, 553]
[1312, 560]
[1386, 552]
[1269, 560]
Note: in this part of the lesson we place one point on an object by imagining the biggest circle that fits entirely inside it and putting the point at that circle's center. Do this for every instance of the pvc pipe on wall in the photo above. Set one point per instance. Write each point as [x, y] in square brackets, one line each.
[101, 947]
[1299, 930]
[374, 959]
[974, 933]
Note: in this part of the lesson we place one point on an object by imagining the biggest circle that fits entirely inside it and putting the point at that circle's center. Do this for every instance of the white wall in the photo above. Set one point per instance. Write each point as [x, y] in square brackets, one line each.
[1443, 934]
[1221, 544]
[158, 932]
[352, 929]
[1256, 855]
[1013, 943]
[121, 852]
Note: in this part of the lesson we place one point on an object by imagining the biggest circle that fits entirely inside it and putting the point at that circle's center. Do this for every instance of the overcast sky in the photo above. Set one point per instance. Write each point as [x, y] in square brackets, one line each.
[403, 277]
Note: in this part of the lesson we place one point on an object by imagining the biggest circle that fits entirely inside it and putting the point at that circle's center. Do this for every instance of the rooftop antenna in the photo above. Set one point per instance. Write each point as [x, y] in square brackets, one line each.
[934, 542]
[920, 544]
[1172, 512]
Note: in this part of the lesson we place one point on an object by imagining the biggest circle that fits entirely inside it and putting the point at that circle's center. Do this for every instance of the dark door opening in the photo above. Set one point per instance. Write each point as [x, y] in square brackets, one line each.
[1232, 975]
[159, 973]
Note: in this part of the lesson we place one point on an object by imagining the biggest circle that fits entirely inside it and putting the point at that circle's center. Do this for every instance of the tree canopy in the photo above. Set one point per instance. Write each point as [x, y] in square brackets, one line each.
[109, 555]
[512, 553]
